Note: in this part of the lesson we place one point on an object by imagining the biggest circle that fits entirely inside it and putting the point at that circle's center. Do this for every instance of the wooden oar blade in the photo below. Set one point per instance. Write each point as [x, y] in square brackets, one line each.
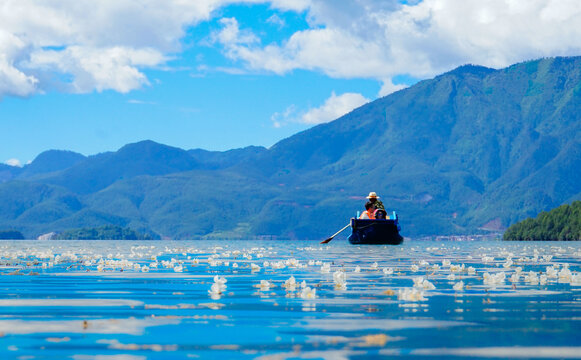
[335, 234]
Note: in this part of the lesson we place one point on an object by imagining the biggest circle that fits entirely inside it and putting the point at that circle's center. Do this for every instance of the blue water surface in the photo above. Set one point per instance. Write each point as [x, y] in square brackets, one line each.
[116, 300]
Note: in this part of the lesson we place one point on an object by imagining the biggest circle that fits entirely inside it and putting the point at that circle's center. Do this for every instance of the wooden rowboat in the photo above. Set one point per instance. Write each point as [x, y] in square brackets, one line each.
[375, 231]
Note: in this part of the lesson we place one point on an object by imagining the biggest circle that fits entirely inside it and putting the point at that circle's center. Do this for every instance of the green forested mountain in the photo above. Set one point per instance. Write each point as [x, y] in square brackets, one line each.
[562, 223]
[475, 149]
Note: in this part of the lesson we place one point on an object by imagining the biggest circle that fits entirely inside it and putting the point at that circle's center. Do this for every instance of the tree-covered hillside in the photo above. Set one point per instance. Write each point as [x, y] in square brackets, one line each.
[472, 150]
[562, 223]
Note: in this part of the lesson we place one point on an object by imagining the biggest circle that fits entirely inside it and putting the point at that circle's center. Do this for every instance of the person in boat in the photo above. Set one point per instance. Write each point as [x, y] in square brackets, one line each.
[369, 212]
[380, 212]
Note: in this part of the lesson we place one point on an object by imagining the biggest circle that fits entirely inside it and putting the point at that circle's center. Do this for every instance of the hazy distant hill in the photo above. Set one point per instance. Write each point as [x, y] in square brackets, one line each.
[475, 148]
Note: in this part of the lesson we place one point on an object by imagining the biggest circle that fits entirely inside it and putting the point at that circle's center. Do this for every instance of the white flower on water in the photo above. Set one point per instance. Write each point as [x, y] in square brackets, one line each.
[292, 263]
[543, 279]
[547, 258]
[446, 263]
[340, 279]
[388, 271]
[265, 285]
[254, 267]
[411, 294]
[552, 272]
[471, 270]
[424, 263]
[459, 286]
[234, 265]
[421, 283]
[494, 279]
[414, 268]
[145, 268]
[357, 269]
[515, 277]
[565, 274]
[374, 266]
[311, 262]
[451, 277]
[308, 293]
[532, 277]
[456, 268]
[576, 279]
[218, 287]
[326, 268]
[290, 284]
[487, 259]
[508, 263]
[178, 268]
[435, 267]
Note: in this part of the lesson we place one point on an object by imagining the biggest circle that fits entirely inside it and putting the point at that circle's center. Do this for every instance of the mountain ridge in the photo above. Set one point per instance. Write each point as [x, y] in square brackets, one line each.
[469, 149]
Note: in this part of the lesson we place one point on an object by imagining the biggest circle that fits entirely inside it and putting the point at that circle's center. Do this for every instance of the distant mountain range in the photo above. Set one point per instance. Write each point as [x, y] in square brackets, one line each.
[472, 150]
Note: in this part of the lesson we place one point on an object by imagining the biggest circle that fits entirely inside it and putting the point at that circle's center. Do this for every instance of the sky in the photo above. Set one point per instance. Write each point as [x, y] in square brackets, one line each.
[91, 76]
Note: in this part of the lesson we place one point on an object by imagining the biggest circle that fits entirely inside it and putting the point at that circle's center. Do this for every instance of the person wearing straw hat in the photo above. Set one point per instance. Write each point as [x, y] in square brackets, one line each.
[374, 199]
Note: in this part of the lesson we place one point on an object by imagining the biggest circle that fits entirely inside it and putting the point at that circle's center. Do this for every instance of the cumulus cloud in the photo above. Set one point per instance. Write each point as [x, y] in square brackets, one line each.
[333, 108]
[381, 39]
[84, 45]
[13, 162]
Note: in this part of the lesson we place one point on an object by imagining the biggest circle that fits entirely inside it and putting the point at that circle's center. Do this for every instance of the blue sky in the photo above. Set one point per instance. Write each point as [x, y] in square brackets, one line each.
[215, 74]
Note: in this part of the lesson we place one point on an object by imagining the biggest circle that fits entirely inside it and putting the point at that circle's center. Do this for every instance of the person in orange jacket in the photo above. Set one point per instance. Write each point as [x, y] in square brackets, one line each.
[369, 212]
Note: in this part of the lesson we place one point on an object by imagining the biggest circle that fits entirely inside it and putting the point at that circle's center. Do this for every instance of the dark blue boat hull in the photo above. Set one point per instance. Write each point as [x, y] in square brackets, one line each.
[379, 232]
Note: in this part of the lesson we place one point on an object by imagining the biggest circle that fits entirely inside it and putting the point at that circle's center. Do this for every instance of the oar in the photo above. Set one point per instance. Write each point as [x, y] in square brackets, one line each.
[335, 234]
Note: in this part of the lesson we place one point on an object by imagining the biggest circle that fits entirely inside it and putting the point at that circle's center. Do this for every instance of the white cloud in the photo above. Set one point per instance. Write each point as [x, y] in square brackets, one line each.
[13, 162]
[83, 45]
[381, 39]
[333, 108]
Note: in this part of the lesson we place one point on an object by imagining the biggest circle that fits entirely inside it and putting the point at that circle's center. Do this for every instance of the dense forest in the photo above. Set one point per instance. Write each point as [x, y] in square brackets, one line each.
[106, 232]
[562, 223]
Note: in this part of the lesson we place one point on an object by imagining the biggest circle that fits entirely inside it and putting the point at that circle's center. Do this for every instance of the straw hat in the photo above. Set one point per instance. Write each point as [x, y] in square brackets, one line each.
[372, 195]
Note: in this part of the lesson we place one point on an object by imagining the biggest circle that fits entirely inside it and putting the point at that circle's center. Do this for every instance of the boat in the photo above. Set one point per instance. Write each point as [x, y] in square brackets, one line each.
[375, 231]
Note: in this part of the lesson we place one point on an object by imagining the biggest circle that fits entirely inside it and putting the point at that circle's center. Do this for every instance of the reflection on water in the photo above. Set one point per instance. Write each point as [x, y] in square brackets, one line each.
[279, 300]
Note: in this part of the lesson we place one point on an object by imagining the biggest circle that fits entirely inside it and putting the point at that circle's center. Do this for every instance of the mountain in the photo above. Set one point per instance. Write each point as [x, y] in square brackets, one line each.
[472, 150]
[51, 161]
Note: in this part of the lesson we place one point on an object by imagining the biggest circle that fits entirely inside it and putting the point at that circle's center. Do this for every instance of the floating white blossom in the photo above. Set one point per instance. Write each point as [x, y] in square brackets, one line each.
[414, 268]
[411, 294]
[388, 271]
[422, 283]
[487, 259]
[308, 293]
[459, 286]
[532, 277]
[494, 279]
[357, 269]
[254, 267]
[218, 287]
[340, 279]
[265, 285]
[290, 284]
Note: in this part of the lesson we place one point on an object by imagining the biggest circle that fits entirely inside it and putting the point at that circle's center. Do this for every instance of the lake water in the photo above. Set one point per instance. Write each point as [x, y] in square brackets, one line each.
[237, 300]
